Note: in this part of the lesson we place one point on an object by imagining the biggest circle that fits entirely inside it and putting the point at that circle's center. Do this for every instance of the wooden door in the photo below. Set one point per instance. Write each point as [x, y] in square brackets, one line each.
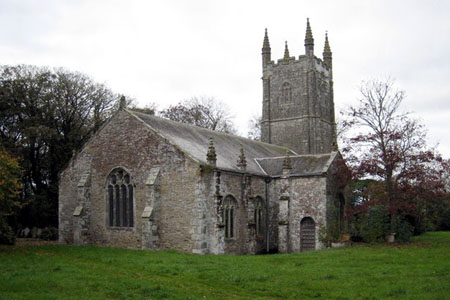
[307, 234]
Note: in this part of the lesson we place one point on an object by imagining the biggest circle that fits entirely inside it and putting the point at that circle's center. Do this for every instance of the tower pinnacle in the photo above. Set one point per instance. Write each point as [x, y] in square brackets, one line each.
[327, 55]
[286, 51]
[266, 50]
[309, 40]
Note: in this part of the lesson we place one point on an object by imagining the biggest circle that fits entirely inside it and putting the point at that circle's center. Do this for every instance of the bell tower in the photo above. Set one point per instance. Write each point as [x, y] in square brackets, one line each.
[298, 106]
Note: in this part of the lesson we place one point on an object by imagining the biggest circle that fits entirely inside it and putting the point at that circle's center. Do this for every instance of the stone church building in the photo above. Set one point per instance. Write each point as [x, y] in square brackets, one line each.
[149, 183]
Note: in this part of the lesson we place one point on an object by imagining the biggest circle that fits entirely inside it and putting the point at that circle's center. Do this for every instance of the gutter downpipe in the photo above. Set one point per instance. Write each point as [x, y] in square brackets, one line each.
[267, 181]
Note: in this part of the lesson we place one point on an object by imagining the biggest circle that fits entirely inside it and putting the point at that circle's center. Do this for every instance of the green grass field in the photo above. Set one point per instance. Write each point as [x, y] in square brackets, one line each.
[420, 270]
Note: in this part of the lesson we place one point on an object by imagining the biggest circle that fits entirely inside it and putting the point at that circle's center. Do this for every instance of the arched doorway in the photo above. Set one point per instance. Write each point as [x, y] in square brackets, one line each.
[307, 234]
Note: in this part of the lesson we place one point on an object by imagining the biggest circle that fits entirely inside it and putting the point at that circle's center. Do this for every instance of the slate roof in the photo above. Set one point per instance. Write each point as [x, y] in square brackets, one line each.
[194, 141]
[302, 165]
[262, 158]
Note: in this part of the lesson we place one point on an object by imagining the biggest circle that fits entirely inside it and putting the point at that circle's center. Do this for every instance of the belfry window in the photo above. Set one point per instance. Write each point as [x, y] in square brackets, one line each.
[259, 216]
[286, 93]
[229, 208]
[120, 199]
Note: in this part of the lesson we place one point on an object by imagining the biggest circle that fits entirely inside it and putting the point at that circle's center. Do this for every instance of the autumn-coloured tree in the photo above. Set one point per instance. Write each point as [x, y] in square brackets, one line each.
[388, 147]
[10, 186]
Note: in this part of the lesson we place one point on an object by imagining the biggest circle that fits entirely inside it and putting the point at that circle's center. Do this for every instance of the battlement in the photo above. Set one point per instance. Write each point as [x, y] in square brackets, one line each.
[302, 59]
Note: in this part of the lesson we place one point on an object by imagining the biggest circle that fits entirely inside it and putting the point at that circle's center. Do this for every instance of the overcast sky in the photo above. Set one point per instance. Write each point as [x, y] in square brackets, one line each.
[167, 51]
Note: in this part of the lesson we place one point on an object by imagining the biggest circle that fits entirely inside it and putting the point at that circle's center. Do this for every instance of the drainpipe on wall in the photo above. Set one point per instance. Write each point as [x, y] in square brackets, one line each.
[267, 181]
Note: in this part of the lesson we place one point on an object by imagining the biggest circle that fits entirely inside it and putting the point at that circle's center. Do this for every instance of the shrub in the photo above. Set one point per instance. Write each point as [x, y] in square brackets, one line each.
[403, 229]
[7, 235]
[372, 226]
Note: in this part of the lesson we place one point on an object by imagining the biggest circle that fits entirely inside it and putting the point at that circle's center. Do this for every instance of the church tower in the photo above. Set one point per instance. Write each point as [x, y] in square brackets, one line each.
[298, 106]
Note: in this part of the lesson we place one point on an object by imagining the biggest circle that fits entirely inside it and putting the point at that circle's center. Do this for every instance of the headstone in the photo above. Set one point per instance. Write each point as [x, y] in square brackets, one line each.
[33, 232]
[390, 238]
[26, 232]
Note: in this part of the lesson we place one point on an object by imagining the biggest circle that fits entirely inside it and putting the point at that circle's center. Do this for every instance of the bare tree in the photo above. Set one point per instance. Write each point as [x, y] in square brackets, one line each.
[254, 128]
[380, 131]
[206, 112]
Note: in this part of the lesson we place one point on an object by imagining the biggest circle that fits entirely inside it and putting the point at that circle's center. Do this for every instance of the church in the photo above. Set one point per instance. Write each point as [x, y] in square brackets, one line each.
[146, 182]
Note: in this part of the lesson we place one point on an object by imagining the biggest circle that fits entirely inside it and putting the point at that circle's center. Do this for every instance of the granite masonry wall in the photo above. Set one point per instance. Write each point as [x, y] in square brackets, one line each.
[125, 143]
[245, 190]
[297, 198]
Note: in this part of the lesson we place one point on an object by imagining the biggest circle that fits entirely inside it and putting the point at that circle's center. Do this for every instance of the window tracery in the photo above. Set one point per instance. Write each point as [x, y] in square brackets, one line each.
[120, 192]
[229, 207]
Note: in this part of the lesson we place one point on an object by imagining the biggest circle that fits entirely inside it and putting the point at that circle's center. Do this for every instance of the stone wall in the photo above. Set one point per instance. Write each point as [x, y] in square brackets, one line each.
[68, 195]
[124, 142]
[308, 134]
[208, 228]
[204, 230]
[297, 198]
[308, 200]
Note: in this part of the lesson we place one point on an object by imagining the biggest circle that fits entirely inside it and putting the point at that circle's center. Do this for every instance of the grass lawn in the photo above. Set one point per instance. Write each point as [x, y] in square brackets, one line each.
[420, 270]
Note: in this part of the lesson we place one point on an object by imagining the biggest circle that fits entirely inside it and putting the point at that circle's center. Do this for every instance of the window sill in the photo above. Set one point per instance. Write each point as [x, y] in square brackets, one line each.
[121, 228]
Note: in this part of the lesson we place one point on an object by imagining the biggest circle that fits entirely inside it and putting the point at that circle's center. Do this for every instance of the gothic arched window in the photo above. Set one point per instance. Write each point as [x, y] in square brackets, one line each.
[259, 216]
[120, 199]
[229, 208]
[286, 93]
